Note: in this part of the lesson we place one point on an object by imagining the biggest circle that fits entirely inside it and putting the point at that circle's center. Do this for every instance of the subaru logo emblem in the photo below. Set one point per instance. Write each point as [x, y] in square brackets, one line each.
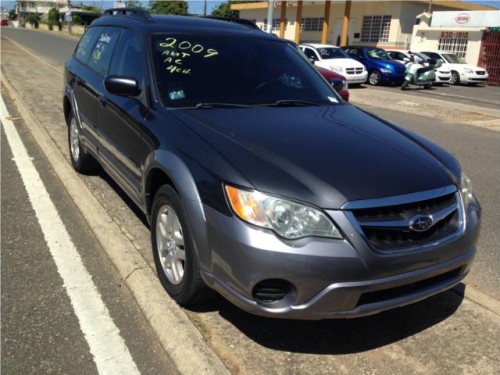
[420, 223]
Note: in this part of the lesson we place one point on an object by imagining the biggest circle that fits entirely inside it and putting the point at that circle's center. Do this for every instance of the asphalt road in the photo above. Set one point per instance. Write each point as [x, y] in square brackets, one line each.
[444, 334]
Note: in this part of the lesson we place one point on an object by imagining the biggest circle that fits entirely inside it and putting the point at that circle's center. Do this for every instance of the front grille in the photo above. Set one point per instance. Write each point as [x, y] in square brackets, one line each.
[354, 70]
[480, 72]
[387, 228]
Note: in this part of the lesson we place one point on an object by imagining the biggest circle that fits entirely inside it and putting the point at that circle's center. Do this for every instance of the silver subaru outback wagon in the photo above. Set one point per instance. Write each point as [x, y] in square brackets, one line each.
[257, 180]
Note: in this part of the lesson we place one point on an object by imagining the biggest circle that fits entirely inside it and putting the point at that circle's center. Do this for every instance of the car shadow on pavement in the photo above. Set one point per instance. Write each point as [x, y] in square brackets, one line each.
[343, 336]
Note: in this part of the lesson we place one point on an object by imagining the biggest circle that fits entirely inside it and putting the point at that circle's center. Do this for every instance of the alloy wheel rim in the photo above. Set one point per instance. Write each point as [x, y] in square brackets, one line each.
[373, 79]
[170, 244]
[74, 140]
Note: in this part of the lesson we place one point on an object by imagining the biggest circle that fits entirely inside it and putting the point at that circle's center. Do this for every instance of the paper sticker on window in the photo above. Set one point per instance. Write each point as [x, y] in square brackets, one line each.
[176, 94]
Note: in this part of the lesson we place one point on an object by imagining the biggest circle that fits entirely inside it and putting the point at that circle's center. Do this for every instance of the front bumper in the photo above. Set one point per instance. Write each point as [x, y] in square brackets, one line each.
[473, 78]
[324, 278]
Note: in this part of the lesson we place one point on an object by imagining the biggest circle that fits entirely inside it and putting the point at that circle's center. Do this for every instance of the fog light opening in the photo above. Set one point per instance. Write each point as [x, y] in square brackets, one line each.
[274, 293]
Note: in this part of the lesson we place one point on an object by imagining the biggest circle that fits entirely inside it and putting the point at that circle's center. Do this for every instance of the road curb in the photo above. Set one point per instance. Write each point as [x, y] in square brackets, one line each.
[177, 334]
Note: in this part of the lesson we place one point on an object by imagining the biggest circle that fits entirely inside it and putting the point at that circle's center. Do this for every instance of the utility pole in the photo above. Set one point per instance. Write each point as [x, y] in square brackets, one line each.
[270, 9]
[205, 8]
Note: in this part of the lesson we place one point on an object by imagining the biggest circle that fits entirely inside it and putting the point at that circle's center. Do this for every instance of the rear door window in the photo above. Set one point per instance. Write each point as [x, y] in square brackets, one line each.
[100, 57]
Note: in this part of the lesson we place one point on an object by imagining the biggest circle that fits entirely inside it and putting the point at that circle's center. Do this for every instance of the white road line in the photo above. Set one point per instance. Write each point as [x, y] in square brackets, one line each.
[108, 348]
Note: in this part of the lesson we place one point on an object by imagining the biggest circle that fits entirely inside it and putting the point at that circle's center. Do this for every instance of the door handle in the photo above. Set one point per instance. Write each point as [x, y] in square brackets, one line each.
[102, 100]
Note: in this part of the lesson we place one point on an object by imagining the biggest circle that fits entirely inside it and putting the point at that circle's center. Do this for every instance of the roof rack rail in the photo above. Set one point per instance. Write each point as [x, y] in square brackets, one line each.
[241, 21]
[129, 12]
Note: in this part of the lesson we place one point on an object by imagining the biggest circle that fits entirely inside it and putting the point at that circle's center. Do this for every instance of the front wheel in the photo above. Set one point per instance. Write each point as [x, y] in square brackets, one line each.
[173, 250]
[455, 78]
[374, 78]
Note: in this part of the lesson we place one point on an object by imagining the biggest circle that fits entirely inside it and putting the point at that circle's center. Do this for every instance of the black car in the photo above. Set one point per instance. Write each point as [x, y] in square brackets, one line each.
[258, 181]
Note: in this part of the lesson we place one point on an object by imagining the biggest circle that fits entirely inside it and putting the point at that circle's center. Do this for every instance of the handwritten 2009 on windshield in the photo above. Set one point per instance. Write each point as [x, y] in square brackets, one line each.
[176, 52]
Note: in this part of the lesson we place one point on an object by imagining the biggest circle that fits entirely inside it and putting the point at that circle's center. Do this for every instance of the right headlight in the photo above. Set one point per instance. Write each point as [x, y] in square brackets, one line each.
[288, 219]
[466, 189]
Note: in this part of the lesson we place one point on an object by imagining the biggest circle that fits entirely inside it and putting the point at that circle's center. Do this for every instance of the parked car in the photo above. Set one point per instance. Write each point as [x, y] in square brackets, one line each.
[443, 74]
[382, 69]
[260, 182]
[338, 81]
[461, 72]
[335, 59]
[4, 22]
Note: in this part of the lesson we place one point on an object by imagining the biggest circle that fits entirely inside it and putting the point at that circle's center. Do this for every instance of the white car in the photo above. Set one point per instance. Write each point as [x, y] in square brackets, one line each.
[334, 59]
[461, 72]
[443, 73]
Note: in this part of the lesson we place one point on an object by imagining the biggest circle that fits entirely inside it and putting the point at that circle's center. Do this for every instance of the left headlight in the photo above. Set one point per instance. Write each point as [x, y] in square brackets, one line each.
[288, 219]
[337, 69]
[468, 71]
[466, 189]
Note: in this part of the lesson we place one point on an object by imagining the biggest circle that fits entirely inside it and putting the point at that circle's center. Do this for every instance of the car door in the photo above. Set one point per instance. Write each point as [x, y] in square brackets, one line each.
[122, 117]
[83, 82]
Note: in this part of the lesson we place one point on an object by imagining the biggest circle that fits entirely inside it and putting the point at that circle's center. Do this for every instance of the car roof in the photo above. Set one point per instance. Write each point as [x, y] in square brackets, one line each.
[143, 21]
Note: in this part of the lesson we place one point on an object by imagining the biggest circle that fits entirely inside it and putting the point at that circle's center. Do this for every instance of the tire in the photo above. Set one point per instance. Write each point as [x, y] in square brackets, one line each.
[81, 160]
[374, 78]
[175, 258]
[455, 78]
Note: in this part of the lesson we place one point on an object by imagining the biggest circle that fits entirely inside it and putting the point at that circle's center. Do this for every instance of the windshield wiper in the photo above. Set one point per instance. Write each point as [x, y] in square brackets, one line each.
[293, 103]
[220, 105]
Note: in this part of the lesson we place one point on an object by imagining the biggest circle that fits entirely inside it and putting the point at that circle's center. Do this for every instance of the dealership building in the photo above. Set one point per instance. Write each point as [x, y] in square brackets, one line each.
[470, 30]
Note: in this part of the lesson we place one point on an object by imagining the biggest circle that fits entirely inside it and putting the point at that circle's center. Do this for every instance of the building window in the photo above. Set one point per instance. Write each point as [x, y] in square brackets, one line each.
[276, 24]
[312, 24]
[454, 42]
[376, 28]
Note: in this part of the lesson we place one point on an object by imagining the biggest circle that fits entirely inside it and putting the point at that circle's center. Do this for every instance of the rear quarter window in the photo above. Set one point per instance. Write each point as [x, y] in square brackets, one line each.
[87, 43]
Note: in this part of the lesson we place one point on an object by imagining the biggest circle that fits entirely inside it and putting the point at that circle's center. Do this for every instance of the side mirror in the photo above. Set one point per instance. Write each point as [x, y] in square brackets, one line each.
[123, 86]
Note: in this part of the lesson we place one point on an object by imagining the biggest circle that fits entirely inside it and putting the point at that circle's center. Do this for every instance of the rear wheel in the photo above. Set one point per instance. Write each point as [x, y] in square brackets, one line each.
[455, 78]
[81, 161]
[374, 78]
[175, 259]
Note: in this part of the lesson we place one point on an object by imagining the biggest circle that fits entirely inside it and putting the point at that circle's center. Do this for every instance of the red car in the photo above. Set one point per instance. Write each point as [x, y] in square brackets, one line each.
[337, 80]
[5, 22]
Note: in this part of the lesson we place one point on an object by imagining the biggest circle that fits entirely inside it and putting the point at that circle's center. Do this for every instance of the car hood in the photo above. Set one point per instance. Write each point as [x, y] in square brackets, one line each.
[390, 64]
[323, 155]
[346, 62]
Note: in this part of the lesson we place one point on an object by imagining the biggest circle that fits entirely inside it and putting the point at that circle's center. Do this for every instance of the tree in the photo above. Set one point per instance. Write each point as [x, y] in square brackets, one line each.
[168, 7]
[134, 4]
[34, 20]
[224, 10]
[53, 17]
[12, 14]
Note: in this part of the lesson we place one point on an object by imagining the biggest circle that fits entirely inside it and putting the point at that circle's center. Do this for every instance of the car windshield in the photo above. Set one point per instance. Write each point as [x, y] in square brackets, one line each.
[207, 71]
[453, 59]
[332, 53]
[378, 54]
[420, 57]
